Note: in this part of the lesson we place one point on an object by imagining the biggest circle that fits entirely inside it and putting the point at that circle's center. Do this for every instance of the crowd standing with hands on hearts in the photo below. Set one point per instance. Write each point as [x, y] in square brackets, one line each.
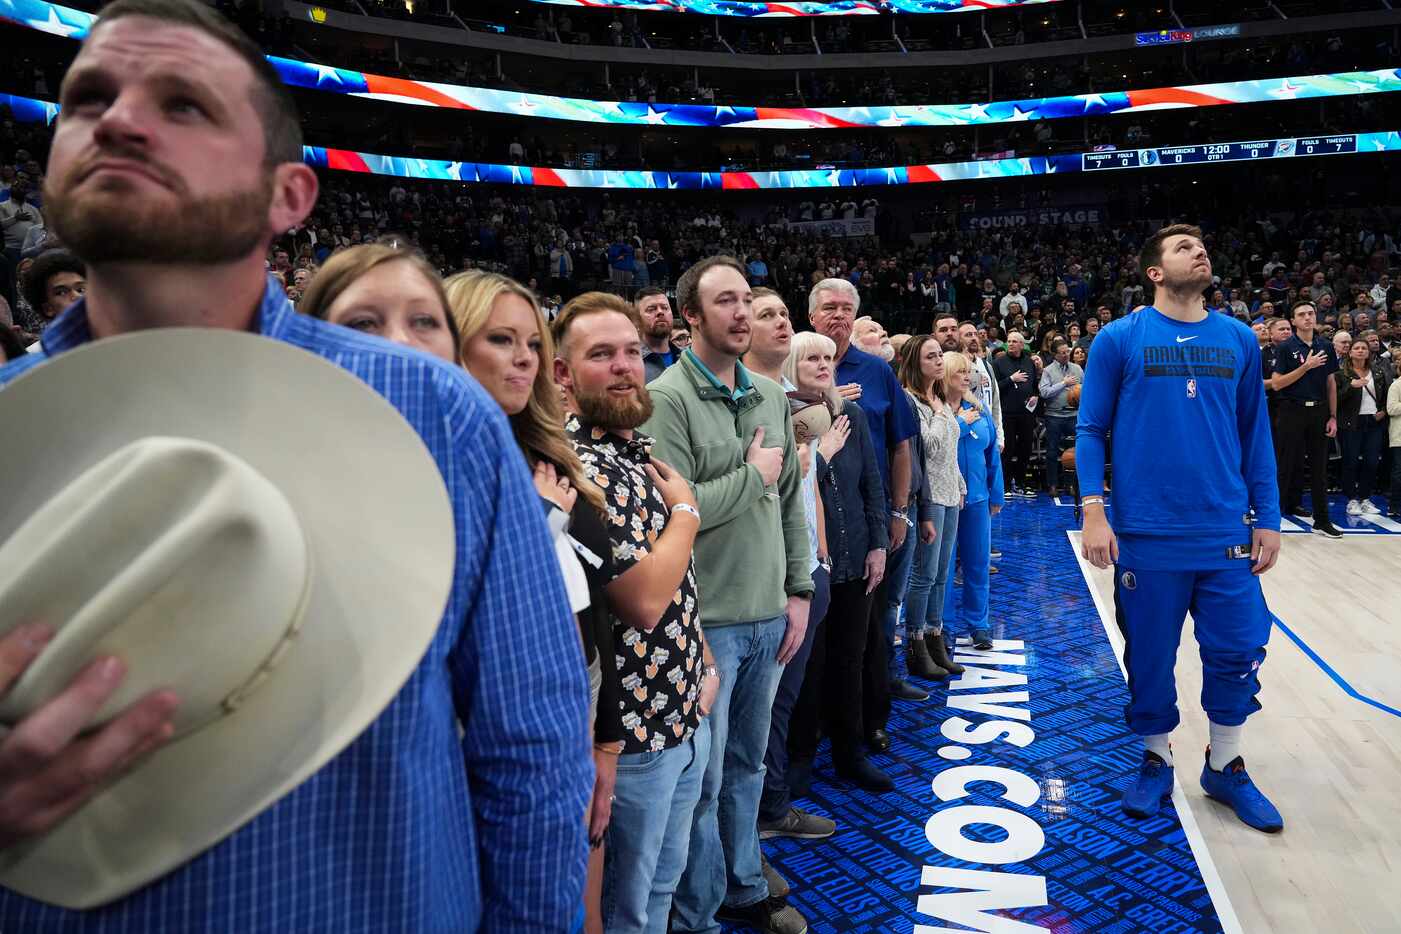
[709, 591]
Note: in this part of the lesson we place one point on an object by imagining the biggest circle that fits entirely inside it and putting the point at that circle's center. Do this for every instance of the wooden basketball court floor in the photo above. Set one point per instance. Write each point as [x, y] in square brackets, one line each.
[1005, 815]
[1326, 747]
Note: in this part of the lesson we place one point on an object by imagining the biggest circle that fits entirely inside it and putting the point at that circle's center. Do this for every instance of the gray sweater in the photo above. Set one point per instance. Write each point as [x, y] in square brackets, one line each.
[940, 436]
[1053, 387]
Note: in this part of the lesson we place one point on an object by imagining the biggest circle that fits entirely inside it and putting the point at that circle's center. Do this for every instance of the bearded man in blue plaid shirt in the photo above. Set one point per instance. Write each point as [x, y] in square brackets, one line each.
[176, 160]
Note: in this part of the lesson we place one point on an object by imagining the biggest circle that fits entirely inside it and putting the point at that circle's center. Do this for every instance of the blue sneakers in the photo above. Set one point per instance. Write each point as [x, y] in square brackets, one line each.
[1154, 786]
[1232, 785]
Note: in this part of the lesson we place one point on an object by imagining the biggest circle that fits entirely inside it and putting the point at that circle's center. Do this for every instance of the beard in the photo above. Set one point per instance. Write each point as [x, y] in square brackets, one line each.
[1193, 280]
[660, 329]
[605, 411]
[109, 225]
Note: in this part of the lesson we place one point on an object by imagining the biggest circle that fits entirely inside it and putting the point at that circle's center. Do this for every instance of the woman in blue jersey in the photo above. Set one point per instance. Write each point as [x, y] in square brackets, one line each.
[981, 467]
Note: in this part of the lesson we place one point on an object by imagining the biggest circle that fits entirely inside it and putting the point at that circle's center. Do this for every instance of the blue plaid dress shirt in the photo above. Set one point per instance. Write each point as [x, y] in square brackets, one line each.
[410, 828]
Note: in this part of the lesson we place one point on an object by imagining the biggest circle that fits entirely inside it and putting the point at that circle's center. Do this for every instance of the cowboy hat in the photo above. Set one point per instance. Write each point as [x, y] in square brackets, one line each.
[812, 414]
[241, 522]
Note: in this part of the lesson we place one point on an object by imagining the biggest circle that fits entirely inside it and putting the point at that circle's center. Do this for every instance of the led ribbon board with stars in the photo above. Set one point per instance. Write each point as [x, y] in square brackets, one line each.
[29, 110]
[68, 22]
[800, 7]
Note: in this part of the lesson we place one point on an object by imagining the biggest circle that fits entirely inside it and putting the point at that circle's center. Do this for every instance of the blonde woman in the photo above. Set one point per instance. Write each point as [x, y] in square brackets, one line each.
[505, 344]
[851, 652]
[981, 468]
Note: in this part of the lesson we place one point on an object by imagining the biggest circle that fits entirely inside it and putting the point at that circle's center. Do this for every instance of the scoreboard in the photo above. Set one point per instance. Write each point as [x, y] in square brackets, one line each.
[1219, 152]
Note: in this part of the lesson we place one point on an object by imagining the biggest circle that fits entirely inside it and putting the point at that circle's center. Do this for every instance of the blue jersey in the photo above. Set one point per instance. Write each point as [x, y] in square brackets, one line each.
[1185, 403]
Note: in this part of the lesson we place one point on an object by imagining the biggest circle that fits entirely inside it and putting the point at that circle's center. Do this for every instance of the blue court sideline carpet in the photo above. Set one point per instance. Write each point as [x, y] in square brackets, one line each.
[1036, 835]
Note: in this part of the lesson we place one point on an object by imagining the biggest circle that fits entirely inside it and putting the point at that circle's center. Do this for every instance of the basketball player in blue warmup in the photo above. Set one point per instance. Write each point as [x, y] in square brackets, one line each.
[1180, 390]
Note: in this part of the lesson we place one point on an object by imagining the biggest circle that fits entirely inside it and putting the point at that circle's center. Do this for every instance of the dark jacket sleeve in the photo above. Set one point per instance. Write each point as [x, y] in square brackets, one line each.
[586, 526]
[1349, 399]
[872, 489]
[919, 476]
[608, 723]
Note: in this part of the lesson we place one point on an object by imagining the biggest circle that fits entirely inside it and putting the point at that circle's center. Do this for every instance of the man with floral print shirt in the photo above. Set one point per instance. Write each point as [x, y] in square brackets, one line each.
[668, 677]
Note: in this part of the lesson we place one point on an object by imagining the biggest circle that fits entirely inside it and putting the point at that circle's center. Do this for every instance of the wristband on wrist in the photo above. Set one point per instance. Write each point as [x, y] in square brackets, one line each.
[686, 507]
[1092, 501]
[613, 749]
[710, 671]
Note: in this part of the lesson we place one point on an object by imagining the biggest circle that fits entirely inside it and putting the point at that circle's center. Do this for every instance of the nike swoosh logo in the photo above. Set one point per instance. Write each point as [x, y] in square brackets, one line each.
[1183, 340]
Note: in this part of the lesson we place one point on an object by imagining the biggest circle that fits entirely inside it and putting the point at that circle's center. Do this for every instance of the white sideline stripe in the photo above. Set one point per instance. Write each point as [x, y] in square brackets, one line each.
[1391, 525]
[1225, 912]
[1307, 523]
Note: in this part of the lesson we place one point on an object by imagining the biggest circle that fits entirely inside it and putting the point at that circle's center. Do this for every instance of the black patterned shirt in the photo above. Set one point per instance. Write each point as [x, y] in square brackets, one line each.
[660, 671]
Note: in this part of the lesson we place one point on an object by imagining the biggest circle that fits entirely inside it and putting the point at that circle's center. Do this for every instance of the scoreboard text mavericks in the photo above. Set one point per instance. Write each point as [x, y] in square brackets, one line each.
[1220, 152]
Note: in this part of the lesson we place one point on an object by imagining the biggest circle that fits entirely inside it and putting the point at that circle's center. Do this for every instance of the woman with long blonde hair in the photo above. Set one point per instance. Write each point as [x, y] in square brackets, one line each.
[505, 344]
[981, 468]
[504, 341]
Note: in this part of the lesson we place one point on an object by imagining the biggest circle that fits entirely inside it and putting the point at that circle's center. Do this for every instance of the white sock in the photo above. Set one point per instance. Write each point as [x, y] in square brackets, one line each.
[1225, 744]
[1157, 744]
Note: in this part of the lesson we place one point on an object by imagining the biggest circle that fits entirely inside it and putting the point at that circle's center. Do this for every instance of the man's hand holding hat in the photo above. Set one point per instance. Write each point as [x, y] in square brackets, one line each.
[46, 770]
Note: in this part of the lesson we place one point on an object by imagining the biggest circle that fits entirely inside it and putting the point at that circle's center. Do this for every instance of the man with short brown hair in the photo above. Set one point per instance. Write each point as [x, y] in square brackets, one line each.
[1195, 516]
[461, 806]
[658, 352]
[752, 558]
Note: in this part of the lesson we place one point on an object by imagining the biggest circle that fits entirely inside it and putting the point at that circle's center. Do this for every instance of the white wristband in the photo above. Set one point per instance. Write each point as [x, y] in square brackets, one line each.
[686, 507]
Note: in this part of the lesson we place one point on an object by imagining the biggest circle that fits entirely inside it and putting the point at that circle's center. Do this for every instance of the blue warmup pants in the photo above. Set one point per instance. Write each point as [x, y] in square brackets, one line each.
[974, 550]
[1232, 625]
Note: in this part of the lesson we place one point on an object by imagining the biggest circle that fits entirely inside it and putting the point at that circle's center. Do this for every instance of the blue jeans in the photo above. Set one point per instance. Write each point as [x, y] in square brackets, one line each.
[649, 834]
[776, 800]
[972, 548]
[723, 867]
[929, 578]
[897, 576]
[1362, 454]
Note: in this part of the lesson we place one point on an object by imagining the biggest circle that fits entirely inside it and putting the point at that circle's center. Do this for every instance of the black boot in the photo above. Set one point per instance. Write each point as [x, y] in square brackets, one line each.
[938, 650]
[919, 664]
[860, 772]
[904, 690]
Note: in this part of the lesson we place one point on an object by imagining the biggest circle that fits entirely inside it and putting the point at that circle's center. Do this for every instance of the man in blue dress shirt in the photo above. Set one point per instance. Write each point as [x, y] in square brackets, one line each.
[176, 161]
[832, 308]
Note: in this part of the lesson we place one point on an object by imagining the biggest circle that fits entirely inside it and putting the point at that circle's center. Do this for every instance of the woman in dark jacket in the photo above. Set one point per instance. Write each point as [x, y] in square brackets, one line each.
[1362, 425]
[853, 499]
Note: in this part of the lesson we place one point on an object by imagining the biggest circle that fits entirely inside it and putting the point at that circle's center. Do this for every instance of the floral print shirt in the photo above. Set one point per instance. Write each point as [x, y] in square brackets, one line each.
[660, 670]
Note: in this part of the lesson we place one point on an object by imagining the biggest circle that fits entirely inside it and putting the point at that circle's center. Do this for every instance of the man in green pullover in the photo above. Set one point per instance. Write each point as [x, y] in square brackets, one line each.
[728, 431]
